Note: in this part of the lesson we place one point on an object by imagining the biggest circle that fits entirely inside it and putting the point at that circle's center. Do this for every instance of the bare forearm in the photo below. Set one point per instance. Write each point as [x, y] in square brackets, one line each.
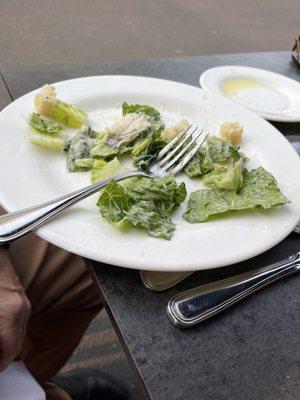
[8, 277]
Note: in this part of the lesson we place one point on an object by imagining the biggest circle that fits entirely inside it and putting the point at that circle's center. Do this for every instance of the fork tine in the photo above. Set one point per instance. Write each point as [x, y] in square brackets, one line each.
[185, 137]
[182, 152]
[190, 155]
[172, 143]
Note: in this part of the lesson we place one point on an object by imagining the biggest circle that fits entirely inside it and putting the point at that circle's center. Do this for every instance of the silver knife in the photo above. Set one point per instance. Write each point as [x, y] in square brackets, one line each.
[191, 307]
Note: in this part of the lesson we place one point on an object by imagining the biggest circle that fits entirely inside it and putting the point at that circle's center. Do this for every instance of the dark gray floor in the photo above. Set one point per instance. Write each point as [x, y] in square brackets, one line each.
[72, 31]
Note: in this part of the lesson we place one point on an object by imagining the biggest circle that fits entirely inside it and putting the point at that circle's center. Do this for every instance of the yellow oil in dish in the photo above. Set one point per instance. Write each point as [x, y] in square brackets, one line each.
[256, 95]
[232, 86]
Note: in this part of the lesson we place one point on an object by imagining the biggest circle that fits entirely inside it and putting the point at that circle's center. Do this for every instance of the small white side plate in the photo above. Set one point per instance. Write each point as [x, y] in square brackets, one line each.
[273, 96]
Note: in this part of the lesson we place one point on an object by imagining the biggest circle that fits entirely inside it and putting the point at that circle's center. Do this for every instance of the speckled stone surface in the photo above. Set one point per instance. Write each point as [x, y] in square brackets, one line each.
[251, 352]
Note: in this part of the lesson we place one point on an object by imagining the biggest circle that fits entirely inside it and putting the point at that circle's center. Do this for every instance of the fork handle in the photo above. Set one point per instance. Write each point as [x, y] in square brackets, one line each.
[196, 305]
[19, 223]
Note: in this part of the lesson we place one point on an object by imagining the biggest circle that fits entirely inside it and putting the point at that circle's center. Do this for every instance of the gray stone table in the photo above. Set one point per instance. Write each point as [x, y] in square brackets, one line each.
[251, 352]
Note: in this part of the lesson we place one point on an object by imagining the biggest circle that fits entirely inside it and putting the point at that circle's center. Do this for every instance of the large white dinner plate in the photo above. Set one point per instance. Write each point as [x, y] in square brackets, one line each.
[29, 175]
[272, 96]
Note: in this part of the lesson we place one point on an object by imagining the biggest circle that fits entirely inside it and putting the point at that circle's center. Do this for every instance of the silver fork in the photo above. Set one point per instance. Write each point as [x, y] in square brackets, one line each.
[171, 159]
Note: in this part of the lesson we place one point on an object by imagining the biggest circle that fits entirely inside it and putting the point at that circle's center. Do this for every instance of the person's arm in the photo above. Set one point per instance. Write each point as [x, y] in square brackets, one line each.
[14, 311]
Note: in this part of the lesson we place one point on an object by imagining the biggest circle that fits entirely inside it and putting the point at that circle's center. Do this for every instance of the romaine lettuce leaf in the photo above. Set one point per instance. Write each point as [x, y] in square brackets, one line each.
[103, 150]
[48, 142]
[139, 108]
[142, 202]
[103, 170]
[259, 190]
[41, 125]
[215, 153]
[145, 151]
[78, 148]
[229, 177]
[46, 103]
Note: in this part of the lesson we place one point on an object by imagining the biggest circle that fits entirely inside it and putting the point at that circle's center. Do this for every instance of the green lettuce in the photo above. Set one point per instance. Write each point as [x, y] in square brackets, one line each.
[68, 114]
[41, 125]
[259, 190]
[229, 177]
[103, 170]
[55, 143]
[79, 157]
[142, 202]
[215, 153]
[142, 147]
[144, 109]
[46, 103]
[145, 151]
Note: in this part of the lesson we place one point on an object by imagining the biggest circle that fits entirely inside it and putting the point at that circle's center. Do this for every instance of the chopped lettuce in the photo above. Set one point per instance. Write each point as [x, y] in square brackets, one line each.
[229, 177]
[79, 148]
[144, 109]
[215, 153]
[55, 143]
[103, 170]
[84, 163]
[41, 125]
[138, 132]
[103, 150]
[46, 103]
[259, 190]
[144, 152]
[143, 202]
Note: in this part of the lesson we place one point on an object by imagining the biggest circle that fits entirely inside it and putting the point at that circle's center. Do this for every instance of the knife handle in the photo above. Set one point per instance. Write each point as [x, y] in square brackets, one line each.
[196, 305]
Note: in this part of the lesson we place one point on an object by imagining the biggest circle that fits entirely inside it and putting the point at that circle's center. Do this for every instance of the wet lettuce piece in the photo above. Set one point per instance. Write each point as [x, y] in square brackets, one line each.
[46, 103]
[144, 203]
[54, 143]
[214, 152]
[138, 134]
[141, 108]
[103, 150]
[47, 127]
[229, 177]
[146, 150]
[103, 170]
[259, 190]
[79, 149]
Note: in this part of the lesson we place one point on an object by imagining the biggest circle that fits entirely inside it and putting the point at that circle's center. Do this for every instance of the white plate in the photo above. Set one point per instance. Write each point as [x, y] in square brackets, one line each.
[30, 176]
[272, 96]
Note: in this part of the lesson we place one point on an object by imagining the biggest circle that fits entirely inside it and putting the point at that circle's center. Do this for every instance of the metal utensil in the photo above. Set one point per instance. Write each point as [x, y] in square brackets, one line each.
[171, 159]
[158, 281]
[189, 308]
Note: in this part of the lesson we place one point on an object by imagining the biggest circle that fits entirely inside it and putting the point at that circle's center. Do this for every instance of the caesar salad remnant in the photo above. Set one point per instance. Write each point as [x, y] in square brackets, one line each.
[216, 153]
[46, 103]
[41, 125]
[78, 150]
[104, 169]
[46, 133]
[142, 202]
[55, 143]
[259, 190]
[140, 133]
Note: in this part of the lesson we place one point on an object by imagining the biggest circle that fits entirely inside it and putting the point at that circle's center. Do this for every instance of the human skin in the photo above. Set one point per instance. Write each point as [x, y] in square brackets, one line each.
[14, 311]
